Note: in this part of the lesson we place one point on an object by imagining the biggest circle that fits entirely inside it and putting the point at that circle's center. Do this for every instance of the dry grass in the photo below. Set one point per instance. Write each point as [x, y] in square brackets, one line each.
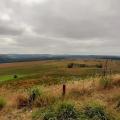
[75, 91]
[21, 101]
[116, 80]
[80, 91]
[45, 100]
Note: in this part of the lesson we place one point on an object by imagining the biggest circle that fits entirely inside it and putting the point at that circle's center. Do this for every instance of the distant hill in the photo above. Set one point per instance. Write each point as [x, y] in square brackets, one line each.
[7, 58]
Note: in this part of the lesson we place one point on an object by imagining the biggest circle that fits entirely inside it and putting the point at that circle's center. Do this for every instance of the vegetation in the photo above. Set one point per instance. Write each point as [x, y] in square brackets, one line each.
[71, 65]
[61, 111]
[22, 101]
[33, 90]
[68, 111]
[2, 102]
[105, 82]
[95, 111]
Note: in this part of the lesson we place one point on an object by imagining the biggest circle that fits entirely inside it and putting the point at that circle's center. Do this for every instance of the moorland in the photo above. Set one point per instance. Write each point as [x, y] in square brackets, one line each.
[33, 90]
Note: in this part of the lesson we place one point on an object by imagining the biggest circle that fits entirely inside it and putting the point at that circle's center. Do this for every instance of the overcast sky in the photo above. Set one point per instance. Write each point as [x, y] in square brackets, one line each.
[60, 26]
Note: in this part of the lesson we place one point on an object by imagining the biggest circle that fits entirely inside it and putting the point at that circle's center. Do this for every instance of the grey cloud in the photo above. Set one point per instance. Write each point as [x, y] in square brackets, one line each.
[57, 26]
[10, 30]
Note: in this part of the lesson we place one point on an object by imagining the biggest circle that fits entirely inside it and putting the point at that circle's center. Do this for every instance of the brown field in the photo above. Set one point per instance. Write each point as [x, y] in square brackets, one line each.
[82, 86]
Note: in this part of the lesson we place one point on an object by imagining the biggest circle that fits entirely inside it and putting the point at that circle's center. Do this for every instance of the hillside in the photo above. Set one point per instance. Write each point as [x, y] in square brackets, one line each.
[7, 58]
[87, 90]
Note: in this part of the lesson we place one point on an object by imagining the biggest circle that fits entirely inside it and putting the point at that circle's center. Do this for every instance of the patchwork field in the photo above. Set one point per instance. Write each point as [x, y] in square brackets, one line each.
[86, 88]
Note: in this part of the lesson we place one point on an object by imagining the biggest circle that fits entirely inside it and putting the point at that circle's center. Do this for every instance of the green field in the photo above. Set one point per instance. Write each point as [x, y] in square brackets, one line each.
[51, 72]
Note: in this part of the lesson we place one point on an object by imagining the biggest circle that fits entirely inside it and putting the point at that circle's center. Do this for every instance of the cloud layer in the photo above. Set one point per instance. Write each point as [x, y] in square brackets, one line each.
[60, 26]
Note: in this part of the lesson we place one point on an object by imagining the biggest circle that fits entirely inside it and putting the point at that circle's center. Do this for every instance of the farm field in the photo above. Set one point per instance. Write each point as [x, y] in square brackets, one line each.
[34, 90]
[57, 70]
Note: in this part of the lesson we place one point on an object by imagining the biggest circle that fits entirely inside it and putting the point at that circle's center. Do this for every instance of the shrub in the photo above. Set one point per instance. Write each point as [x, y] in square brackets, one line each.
[67, 111]
[29, 99]
[61, 111]
[2, 102]
[34, 93]
[38, 98]
[15, 76]
[95, 112]
[92, 112]
[70, 65]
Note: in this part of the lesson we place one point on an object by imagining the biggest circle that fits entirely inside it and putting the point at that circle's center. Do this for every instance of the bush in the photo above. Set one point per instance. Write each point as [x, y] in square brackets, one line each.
[15, 76]
[70, 65]
[2, 102]
[64, 111]
[34, 93]
[95, 112]
[29, 99]
[61, 111]
[92, 112]
[67, 111]
[38, 98]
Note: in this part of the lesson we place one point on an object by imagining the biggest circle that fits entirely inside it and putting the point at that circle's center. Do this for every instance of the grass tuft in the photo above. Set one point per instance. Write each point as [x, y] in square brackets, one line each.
[2, 103]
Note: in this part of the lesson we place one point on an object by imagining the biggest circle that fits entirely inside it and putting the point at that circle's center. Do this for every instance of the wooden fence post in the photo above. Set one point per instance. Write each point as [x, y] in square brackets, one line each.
[64, 90]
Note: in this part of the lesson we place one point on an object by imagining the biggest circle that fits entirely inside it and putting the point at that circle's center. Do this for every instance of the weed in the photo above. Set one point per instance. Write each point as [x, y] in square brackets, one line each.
[2, 102]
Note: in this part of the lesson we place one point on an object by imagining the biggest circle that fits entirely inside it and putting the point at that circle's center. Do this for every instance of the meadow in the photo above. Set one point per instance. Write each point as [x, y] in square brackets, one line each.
[34, 90]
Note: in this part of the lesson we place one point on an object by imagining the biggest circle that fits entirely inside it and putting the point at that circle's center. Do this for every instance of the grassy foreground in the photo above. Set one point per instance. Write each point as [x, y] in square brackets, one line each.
[36, 93]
